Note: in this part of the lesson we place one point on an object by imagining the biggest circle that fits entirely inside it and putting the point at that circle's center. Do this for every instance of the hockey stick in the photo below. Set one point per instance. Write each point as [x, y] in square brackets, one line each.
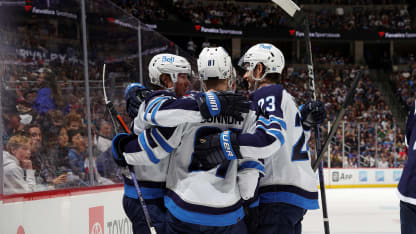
[293, 10]
[334, 127]
[114, 115]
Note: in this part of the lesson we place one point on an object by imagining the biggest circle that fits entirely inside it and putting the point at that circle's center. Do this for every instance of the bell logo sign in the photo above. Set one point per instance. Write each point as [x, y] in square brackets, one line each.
[96, 220]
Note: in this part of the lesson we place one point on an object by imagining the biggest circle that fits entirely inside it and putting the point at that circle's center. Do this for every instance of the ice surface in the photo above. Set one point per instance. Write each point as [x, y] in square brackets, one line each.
[357, 211]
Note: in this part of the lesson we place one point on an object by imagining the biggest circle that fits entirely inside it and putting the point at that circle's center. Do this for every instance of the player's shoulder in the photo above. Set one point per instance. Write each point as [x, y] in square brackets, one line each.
[159, 93]
[266, 91]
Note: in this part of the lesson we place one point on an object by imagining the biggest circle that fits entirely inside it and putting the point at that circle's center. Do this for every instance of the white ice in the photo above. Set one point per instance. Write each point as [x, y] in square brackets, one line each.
[357, 211]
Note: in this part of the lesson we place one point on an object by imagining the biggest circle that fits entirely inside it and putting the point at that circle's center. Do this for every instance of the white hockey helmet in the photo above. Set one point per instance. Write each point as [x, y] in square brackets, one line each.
[214, 62]
[267, 54]
[168, 64]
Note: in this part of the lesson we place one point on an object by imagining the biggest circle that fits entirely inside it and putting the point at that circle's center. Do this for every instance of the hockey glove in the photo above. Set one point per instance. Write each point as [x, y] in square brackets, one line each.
[313, 113]
[215, 149]
[118, 143]
[134, 94]
[225, 103]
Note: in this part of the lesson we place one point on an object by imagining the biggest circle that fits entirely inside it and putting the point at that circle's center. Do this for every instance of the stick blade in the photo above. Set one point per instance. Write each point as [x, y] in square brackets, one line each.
[287, 5]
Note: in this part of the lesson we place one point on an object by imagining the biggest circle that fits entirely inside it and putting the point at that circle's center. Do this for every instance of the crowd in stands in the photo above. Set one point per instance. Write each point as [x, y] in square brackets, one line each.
[405, 85]
[271, 16]
[147, 11]
[358, 16]
[46, 113]
[333, 57]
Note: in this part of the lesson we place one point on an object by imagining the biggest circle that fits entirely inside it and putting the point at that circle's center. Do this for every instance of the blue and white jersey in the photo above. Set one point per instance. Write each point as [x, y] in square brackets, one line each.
[407, 184]
[275, 133]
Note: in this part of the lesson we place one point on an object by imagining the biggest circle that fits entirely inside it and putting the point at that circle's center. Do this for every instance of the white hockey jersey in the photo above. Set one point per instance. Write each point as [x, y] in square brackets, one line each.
[289, 177]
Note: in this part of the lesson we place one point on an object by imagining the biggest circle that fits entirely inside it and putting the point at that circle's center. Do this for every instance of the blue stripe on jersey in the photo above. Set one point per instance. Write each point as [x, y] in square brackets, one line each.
[154, 112]
[218, 220]
[226, 145]
[275, 133]
[161, 141]
[146, 148]
[255, 203]
[148, 193]
[152, 104]
[289, 198]
[272, 120]
[251, 164]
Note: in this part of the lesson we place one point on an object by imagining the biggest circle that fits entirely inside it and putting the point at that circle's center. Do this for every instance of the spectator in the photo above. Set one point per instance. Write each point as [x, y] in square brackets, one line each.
[49, 95]
[12, 125]
[77, 152]
[383, 163]
[104, 136]
[41, 164]
[59, 162]
[19, 176]
[73, 122]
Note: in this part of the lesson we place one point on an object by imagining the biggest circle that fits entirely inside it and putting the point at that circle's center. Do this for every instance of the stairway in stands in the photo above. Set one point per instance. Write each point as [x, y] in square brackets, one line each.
[382, 81]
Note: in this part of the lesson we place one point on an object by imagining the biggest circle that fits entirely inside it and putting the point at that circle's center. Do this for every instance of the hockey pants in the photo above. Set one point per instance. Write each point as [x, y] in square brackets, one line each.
[280, 218]
[407, 218]
[175, 226]
[135, 213]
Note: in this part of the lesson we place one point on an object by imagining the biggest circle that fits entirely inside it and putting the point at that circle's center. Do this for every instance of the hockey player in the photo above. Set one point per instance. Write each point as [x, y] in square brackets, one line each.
[275, 133]
[198, 200]
[164, 71]
[407, 188]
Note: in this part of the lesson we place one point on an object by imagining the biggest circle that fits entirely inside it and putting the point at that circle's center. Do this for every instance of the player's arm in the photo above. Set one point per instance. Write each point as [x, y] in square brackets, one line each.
[268, 137]
[168, 111]
[147, 148]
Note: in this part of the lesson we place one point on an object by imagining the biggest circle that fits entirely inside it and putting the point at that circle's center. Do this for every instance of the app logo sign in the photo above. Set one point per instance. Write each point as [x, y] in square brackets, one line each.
[335, 176]
[96, 220]
[363, 176]
[380, 176]
[341, 176]
[397, 175]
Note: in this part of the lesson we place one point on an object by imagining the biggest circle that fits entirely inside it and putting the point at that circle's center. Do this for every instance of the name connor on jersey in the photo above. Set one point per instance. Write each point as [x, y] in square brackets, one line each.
[222, 119]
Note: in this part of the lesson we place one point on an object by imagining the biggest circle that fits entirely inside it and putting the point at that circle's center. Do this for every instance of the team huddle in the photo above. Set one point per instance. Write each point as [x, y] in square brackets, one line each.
[215, 161]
